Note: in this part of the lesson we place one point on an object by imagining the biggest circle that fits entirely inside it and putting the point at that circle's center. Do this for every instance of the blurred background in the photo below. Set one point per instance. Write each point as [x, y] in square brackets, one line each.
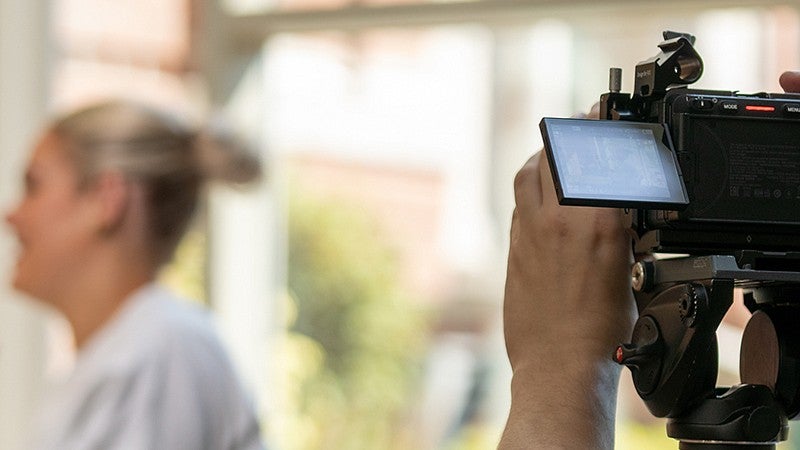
[360, 286]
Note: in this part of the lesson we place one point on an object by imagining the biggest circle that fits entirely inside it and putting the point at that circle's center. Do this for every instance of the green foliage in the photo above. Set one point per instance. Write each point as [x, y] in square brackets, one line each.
[634, 435]
[476, 437]
[359, 333]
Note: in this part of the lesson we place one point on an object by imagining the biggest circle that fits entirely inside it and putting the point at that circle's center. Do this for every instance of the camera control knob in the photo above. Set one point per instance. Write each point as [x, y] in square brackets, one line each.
[643, 276]
[643, 355]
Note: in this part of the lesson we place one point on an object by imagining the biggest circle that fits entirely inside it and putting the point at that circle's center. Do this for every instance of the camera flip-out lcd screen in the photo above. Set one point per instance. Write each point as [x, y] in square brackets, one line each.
[613, 163]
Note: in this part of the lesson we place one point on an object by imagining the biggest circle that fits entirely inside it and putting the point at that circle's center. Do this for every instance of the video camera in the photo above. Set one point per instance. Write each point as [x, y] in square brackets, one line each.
[715, 175]
[706, 171]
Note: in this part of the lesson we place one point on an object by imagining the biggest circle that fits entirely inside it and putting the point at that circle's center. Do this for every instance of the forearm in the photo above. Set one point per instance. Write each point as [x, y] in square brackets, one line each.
[557, 407]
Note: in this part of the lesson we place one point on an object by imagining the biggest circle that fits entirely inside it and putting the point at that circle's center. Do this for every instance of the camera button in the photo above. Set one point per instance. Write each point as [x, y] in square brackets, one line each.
[703, 104]
[791, 108]
[729, 107]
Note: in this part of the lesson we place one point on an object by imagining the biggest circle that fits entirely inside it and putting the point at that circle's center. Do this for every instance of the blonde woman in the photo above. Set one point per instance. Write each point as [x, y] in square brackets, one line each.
[109, 192]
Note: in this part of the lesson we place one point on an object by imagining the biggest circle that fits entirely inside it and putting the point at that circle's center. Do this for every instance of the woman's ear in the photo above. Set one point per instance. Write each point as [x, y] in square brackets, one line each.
[111, 194]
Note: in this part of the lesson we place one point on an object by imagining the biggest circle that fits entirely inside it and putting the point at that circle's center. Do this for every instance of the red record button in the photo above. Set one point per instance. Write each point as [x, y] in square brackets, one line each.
[760, 108]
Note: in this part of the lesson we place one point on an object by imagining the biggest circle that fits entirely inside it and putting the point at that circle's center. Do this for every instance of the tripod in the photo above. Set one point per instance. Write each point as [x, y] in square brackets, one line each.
[673, 350]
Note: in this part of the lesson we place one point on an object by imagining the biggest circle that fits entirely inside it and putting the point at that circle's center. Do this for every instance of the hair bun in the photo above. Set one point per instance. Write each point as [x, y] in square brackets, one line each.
[223, 156]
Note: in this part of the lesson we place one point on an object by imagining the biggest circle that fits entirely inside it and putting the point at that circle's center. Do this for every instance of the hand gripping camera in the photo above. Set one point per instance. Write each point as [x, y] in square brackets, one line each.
[715, 175]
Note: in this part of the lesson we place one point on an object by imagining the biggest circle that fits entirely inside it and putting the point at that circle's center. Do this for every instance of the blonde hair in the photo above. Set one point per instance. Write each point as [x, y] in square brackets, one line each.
[168, 158]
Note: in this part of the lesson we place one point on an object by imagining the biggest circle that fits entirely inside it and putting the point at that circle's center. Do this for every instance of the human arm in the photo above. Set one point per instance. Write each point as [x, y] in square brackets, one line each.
[568, 302]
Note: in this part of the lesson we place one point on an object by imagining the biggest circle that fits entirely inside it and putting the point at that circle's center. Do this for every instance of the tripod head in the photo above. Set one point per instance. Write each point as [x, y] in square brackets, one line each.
[673, 350]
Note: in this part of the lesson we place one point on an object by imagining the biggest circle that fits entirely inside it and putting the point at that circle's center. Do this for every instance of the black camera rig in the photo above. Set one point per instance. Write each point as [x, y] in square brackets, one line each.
[739, 156]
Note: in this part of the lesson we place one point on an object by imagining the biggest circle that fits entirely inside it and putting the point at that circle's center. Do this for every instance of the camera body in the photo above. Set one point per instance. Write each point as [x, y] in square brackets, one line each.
[738, 156]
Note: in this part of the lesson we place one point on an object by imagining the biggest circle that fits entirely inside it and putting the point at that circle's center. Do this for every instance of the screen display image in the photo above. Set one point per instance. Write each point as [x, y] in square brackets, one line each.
[612, 163]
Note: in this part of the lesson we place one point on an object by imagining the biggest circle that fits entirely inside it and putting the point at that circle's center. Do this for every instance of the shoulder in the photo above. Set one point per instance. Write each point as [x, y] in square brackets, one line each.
[182, 365]
[197, 375]
[156, 332]
[158, 370]
[180, 332]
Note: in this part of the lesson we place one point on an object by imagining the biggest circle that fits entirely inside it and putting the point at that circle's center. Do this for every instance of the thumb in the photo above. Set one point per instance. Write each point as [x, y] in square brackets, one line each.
[790, 81]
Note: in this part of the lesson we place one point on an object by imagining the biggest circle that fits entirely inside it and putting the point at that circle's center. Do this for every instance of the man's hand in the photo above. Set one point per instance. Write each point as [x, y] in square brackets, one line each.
[568, 302]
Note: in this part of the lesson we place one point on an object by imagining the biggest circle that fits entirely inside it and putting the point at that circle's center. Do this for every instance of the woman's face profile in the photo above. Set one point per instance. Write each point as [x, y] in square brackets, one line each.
[50, 222]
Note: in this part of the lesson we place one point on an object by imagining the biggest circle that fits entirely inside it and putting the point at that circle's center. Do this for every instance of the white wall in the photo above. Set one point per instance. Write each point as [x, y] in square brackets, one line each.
[23, 95]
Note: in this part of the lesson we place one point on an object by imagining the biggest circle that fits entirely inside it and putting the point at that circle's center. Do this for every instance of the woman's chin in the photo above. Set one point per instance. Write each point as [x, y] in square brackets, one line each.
[22, 284]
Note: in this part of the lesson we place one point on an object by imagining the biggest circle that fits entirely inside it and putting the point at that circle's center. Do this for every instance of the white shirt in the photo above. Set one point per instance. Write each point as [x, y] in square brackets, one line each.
[155, 377]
